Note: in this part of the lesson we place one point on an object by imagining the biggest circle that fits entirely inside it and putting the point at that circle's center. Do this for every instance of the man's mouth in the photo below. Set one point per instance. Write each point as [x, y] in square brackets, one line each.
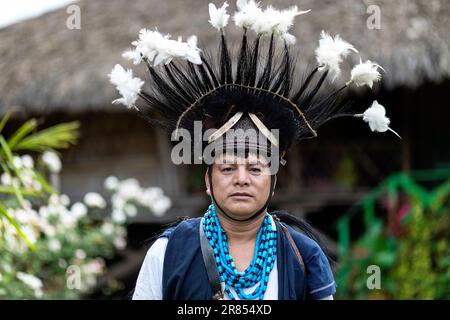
[241, 195]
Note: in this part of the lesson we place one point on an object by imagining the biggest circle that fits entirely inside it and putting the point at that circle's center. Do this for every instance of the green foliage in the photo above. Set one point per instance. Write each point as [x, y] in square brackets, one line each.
[410, 242]
[51, 248]
[27, 138]
[40, 237]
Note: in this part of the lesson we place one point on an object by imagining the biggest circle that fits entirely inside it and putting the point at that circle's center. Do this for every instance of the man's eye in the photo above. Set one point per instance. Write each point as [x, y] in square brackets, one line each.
[256, 169]
[227, 169]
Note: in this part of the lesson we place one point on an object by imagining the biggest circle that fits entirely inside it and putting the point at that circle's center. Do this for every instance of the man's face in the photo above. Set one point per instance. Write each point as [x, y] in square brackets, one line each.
[241, 186]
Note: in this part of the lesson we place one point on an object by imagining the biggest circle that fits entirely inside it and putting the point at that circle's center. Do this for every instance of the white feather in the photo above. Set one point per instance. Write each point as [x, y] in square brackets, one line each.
[365, 73]
[376, 117]
[330, 53]
[133, 55]
[267, 22]
[127, 86]
[282, 21]
[218, 17]
[158, 48]
[248, 13]
[289, 38]
[192, 53]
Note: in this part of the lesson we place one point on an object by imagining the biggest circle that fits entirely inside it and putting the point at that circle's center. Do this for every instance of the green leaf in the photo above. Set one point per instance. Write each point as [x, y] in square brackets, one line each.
[6, 150]
[12, 190]
[4, 120]
[4, 213]
[47, 187]
[23, 131]
[369, 212]
[57, 137]
[343, 227]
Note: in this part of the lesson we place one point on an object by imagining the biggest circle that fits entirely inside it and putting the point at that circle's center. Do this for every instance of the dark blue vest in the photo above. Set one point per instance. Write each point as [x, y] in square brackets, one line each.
[184, 272]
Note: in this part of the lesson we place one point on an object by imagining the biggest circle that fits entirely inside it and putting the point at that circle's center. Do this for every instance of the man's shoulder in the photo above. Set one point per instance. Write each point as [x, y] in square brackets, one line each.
[186, 226]
[308, 247]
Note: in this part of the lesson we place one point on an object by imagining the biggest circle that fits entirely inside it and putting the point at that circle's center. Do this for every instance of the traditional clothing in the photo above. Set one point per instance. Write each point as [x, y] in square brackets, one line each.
[229, 96]
[185, 277]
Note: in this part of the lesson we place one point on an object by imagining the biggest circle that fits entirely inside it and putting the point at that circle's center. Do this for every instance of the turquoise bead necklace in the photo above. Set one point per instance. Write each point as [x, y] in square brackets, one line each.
[258, 271]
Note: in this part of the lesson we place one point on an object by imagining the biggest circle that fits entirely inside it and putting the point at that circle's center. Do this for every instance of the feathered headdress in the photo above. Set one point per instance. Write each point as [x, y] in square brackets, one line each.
[188, 84]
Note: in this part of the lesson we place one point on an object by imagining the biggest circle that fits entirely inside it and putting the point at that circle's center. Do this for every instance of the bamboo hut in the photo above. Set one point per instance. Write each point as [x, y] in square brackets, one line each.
[59, 74]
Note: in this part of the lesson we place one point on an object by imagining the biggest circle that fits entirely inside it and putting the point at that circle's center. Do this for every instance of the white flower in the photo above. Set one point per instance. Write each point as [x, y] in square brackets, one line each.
[159, 48]
[129, 189]
[130, 210]
[150, 195]
[365, 73]
[118, 216]
[28, 216]
[120, 243]
[37, 185]
[62, 263]
[330, 53]
[6, 179]
[54, 199]
[218, 17]
[54, 245]
[118, 202]
[160, 207]
[121, 232]
[79, 210]
[30, 233]
[17, 162]
[80, 254]
[95, 266]
[64, 200]
[94, 200]
[111, 183]
[27, 161]
[107, 228]
[248, 13]
[67, 219]
[127, 86]
[31, 281]
[376, 117]
[134, 55]
[44, 212]
[28, 178]
[47, 228]
[15, 182]
[52, 161]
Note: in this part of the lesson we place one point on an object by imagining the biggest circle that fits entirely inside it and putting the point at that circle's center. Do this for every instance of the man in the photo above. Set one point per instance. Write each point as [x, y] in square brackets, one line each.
[250, 112]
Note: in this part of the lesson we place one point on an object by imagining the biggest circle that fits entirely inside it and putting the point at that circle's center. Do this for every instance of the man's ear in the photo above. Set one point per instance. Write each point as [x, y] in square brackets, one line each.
[208, 192]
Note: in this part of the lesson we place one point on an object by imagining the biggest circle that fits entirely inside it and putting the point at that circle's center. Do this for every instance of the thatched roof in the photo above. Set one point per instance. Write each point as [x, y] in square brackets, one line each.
[46, 67]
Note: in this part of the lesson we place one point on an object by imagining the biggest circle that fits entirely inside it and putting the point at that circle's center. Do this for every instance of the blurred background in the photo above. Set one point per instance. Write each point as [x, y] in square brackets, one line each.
[85, 184]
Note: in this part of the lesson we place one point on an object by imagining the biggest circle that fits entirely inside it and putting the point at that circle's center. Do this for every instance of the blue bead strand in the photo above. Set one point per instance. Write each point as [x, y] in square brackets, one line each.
[260, 267]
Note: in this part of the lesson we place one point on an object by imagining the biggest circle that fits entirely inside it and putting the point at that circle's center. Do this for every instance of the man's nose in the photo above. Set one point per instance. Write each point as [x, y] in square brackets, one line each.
[241, 175]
